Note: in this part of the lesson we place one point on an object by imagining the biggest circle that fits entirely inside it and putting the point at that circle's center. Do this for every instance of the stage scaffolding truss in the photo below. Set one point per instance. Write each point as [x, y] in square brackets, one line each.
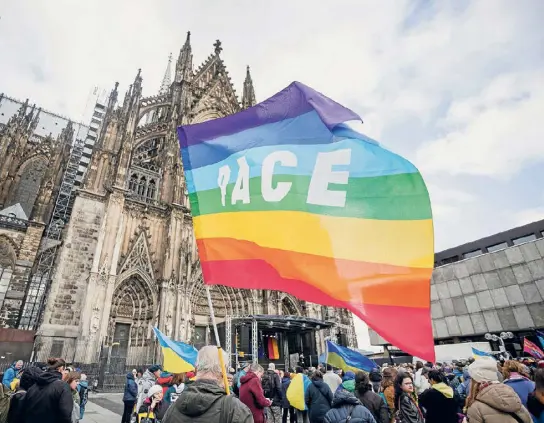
[285, 324]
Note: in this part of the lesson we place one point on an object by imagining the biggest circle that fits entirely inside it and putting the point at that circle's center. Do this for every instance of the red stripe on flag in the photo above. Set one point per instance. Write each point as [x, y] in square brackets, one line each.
[407, 328]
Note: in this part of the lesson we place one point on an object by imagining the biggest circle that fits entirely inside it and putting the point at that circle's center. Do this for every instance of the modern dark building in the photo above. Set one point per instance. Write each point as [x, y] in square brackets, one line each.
[489, 286]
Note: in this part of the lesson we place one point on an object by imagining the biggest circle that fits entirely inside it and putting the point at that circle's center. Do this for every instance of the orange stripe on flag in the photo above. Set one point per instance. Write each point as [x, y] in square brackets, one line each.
[344, 280]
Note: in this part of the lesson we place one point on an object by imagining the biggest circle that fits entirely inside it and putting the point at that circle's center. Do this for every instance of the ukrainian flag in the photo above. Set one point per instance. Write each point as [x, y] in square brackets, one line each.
[178, 356]
[481, 354]
[347, 359]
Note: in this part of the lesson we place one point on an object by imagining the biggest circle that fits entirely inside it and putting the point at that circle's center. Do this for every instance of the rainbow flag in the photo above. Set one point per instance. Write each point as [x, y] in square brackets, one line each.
[532, 349]
[178, 356]
[285, 196]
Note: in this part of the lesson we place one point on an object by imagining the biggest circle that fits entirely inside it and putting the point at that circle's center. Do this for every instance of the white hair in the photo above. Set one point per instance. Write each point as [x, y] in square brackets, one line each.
[256, 368]
[83, 376]
[207, 360]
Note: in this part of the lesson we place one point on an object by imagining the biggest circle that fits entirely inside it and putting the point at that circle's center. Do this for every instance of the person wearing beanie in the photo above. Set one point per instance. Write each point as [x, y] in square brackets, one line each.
[490, 401]
[154, 407]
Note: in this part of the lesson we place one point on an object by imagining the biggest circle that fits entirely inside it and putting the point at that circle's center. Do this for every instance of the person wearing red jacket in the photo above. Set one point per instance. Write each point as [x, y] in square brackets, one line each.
[251, 393]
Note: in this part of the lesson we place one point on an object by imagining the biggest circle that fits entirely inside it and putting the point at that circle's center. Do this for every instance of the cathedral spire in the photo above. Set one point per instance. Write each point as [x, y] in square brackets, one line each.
[248, 97]
[112, 100]
[167, 79]
[184, 65]
[34, 122]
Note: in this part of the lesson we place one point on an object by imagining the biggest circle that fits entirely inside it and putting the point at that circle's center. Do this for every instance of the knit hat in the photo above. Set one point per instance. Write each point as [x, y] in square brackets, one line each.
[154, 368]
[484, 370]
[155, 389]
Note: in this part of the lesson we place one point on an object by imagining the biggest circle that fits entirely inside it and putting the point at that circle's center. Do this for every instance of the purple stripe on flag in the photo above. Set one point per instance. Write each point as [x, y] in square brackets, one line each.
[293, 101]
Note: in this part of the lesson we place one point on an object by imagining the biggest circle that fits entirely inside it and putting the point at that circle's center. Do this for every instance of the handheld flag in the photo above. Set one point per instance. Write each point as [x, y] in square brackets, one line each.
[348, 359]
[285, 196]
[532, 349]
[296, 391]
[540, 336]
[479, 354]
[178, 356]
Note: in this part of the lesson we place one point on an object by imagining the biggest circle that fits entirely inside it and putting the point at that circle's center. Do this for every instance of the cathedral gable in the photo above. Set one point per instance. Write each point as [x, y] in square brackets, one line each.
[139, 257]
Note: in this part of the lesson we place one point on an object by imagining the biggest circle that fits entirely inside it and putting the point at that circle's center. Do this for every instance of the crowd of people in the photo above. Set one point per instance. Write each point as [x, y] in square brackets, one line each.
[475, 391]
[54, 393]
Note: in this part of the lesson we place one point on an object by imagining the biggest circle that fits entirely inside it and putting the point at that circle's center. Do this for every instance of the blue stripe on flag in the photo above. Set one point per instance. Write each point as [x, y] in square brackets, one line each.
[351, 358]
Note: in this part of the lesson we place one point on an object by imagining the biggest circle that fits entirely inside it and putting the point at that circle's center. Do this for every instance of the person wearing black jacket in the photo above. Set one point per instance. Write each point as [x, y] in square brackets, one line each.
[28, 379]
[438, 402]
[286, 407]
[49, 400]
[375, 404]
[318, 398]
[129, 398]
[345, 405]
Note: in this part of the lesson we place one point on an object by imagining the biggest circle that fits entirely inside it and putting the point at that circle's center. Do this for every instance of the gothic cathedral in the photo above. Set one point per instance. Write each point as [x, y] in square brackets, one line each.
[128, 259]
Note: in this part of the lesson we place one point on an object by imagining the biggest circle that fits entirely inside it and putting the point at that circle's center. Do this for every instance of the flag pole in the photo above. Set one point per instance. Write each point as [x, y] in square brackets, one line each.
[218, 342]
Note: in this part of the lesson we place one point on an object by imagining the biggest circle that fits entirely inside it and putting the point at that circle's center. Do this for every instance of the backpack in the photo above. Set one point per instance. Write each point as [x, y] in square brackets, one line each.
[178, 389]
[389, 413]
[267, 381]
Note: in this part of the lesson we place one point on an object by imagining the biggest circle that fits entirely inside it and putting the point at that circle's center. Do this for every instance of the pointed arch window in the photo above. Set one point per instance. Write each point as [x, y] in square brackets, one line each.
[28, 181]
[145, 171]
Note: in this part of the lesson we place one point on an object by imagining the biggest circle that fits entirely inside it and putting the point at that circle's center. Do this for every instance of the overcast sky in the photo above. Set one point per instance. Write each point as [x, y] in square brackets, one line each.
[456, 86]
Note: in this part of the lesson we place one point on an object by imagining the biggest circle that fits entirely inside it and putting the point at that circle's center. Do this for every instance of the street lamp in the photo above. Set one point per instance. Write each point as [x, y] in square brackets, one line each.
[500, 338]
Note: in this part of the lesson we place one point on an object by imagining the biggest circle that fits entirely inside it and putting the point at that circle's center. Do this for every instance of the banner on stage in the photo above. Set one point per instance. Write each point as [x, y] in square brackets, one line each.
[286, 196]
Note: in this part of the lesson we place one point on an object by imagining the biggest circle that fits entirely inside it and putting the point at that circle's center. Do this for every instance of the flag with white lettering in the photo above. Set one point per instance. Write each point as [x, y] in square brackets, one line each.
[285, 196]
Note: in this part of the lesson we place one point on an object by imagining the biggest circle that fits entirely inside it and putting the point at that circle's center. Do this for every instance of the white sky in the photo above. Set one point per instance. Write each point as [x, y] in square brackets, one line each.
[456, 86]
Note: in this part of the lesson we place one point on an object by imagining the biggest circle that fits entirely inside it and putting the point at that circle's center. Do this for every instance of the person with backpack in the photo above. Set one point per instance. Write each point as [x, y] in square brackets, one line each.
[318, 398]
[364, 392]
[49, 400]
[272, 390]
[176, 388]
[347, 408]
[83, 391]
[28, 378]
[12, 373]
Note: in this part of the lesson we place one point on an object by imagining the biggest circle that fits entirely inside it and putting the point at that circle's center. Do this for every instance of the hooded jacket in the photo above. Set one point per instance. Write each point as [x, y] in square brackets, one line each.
[521, 385]
[348, 382]
[495, 403]
[9, 375]
[376, 405]
[28, 378]
[131, 389]
[147, 380]
[438, 404]
[536, 408]
[318, 399]
[252, 395]
[284, 385]
[204, 401]
[49, 400]
[345, 404]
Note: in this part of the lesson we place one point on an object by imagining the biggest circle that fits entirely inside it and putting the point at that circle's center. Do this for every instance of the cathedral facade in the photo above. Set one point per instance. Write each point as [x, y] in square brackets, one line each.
[128, 259]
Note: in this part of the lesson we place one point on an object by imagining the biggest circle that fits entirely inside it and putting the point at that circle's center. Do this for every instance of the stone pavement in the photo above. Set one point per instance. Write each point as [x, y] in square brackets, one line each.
[103, 408]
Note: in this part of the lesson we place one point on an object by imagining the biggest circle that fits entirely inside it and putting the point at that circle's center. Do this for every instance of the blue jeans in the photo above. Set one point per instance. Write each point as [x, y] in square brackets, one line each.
[81, 410]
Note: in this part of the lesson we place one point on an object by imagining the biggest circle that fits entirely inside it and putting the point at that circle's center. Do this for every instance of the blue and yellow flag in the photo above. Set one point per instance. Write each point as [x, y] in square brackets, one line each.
[178, 356]
[480, 354]
[296, 391]
[347, 359]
